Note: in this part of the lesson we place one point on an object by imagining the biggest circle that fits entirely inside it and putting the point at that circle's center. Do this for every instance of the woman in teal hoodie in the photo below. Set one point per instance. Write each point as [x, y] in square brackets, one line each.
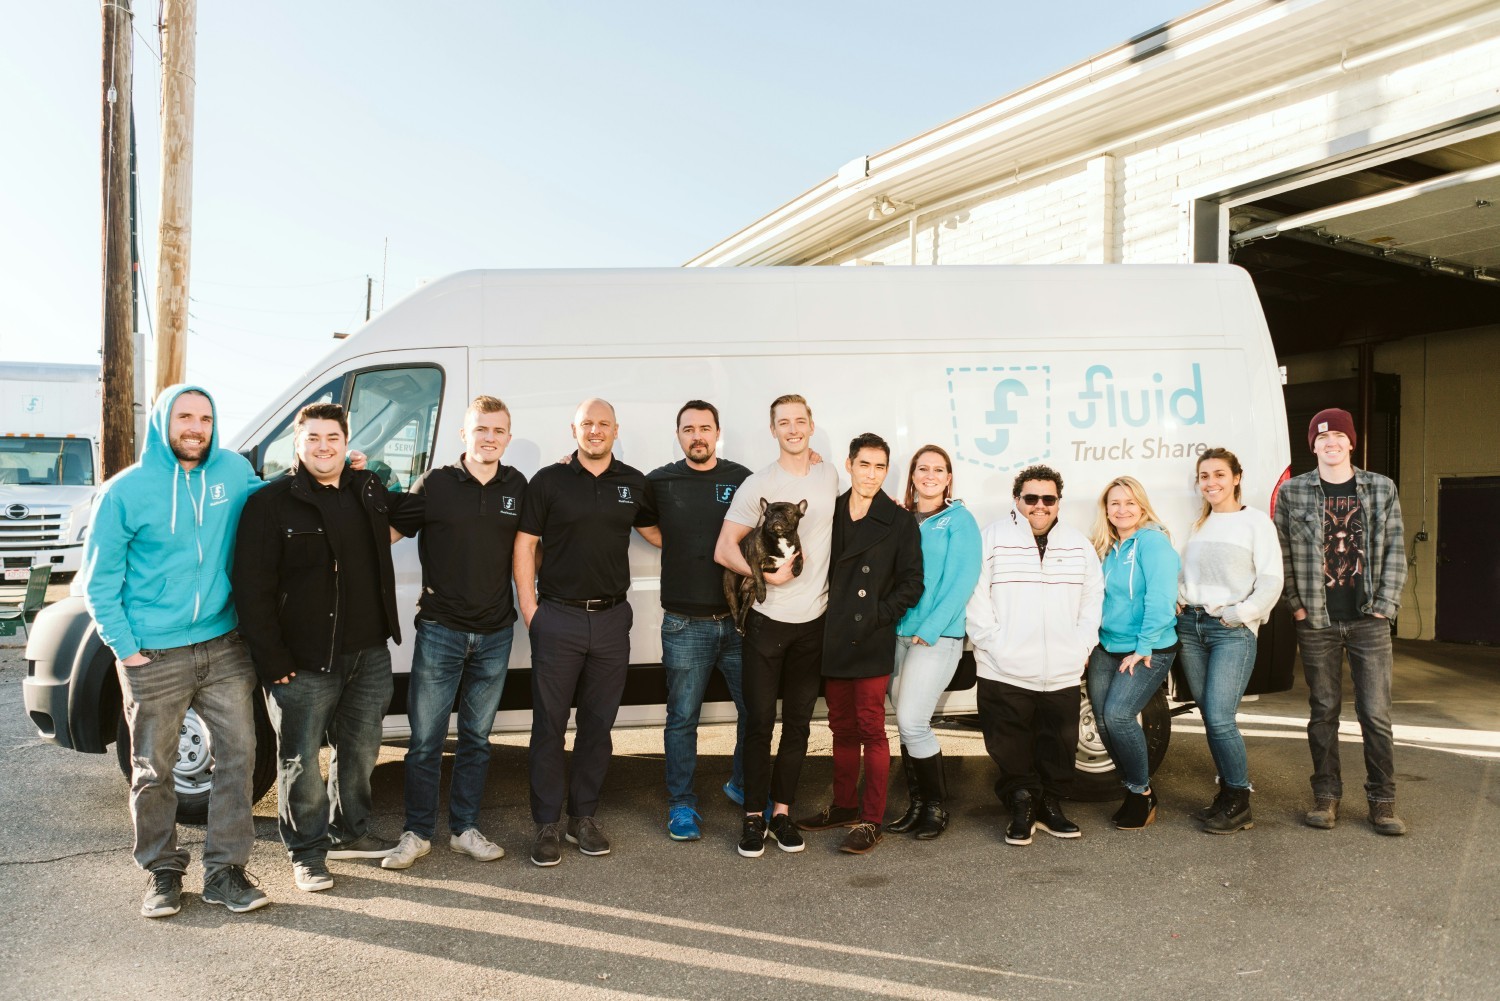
[930, 636]
[1137, 635]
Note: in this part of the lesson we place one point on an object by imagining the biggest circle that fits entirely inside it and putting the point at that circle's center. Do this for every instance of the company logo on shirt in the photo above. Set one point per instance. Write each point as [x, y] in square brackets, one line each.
[217, 494]
[724, 492]
[507, 505]
[625, 497]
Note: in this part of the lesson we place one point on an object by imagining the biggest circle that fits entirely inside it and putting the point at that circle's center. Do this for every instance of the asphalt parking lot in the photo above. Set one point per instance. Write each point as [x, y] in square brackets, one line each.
[1281, 911]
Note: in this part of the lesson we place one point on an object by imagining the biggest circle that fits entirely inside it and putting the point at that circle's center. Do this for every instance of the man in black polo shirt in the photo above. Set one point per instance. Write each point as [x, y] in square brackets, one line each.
[581, 514]
[465, 623]
[697, 634]
[316, 595]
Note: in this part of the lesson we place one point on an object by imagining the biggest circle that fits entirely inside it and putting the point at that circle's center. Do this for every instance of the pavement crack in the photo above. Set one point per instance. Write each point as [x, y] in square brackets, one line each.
[4, 863]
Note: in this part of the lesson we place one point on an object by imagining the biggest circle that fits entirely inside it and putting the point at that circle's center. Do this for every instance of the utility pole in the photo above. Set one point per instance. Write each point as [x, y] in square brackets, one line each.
[369, 291]
[117, 419]
[179, 32]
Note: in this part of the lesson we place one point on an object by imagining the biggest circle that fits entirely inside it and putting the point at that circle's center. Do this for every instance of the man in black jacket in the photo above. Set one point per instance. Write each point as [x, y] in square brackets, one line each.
[874, 577]
[316, 595]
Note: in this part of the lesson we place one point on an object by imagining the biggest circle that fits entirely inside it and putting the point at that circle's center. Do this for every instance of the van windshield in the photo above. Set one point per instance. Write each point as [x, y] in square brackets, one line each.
[67, 462]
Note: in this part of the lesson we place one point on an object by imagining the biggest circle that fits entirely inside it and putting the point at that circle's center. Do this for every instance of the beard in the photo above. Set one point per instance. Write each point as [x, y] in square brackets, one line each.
[189, 451]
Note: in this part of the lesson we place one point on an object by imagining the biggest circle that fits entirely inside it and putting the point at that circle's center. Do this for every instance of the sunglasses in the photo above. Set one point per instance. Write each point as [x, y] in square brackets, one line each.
[1046, 500]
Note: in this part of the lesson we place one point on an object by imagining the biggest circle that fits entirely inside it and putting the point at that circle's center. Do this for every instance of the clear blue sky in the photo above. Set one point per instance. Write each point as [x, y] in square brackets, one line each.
[471, 134]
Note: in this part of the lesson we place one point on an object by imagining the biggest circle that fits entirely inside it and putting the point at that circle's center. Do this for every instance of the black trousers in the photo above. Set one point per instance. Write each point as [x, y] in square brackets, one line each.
[782, 659]
[1033, 736]
[583, 655]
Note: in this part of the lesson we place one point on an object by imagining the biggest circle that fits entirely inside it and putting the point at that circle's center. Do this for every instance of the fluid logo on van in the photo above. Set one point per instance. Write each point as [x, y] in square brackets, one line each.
[1002, 414]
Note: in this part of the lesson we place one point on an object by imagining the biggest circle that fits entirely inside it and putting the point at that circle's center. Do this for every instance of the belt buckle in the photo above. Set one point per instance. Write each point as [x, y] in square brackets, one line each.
[595, 604]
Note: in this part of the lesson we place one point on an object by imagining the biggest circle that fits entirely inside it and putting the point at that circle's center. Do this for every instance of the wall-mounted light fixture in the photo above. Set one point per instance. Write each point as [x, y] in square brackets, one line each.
[885, 206]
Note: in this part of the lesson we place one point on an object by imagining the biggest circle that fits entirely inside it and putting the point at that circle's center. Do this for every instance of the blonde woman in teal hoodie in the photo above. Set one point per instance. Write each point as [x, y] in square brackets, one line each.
[1137, 635]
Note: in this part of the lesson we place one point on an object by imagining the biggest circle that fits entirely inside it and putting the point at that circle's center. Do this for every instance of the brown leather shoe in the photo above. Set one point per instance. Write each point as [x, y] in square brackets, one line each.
[1323, 815]
[862, 839]
[1383, 818]
[830, 817]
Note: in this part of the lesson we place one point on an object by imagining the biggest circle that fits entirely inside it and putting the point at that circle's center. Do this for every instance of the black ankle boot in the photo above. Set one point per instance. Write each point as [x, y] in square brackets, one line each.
[1138, 810]
[1217, 806]
[1050, 818]
[1022, 818]
[914, 795]
[934, 784]
[1235, 816]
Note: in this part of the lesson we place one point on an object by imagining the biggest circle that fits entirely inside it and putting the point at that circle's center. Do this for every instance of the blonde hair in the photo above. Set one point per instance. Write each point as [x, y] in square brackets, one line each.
[1104, 535]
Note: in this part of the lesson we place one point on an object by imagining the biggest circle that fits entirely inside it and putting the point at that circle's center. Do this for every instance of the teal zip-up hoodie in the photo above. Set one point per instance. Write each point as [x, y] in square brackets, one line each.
[1140, 594]
[951, 554]
[156, 564]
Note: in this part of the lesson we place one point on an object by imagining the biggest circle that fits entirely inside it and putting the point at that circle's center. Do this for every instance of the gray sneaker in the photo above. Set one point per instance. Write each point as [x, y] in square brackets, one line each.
[163, 894]
[234, 888]
[367, 846]
[546, 850]
[410, 848]
[476, 846]
[312, 875]
[584, 832]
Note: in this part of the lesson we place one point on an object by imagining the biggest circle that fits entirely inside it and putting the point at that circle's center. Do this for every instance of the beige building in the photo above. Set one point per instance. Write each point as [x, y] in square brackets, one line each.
[1345, 152]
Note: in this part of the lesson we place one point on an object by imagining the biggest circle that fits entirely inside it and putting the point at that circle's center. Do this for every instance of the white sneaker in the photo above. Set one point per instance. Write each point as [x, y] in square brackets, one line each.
[407, 850]
[475, 845]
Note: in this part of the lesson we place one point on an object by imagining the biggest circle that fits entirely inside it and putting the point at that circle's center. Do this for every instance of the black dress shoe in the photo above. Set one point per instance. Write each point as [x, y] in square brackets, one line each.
[1050, 819]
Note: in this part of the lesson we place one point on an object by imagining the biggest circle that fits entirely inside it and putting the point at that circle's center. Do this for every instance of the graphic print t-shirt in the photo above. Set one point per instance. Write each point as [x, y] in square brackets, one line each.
[1343, 550]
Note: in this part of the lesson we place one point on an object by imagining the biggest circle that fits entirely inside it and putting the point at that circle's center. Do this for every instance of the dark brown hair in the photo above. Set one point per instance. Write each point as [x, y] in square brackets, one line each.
[910, 500]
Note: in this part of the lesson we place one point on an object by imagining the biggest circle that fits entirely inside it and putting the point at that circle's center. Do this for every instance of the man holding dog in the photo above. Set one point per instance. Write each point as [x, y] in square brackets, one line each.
[581, 513]
[783, 647]
[697, 633]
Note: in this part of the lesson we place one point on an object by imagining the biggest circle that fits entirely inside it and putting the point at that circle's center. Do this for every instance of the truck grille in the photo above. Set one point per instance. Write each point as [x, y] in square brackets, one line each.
[31, 531]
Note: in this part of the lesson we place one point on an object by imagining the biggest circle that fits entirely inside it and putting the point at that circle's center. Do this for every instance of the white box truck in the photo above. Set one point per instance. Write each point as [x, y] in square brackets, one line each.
[1096, 370]
[49, 464]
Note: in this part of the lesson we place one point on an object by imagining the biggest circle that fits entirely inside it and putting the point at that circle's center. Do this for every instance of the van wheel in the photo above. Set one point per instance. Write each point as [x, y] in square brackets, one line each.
[192, 773]
[1095, 777]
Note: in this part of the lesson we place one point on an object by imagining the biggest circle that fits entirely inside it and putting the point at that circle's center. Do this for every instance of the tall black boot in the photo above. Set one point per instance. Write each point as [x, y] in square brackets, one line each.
[914, 793]
[935, 787]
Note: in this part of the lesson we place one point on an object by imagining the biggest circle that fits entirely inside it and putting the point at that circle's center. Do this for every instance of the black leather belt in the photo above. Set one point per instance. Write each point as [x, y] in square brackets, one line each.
[720, 617]
[589, 604]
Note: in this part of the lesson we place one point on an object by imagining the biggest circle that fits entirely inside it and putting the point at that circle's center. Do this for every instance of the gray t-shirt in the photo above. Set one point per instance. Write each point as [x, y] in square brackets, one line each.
[804, 597]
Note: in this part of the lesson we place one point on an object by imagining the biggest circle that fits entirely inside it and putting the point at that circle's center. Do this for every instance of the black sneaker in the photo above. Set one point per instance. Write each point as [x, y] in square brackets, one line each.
[235, 889]
[163, 894]
[366, 846]
[1022, 818]
[785, 833]
[546, 850]
[585, 833]
[752, 836]
[1050, 819]
[830, 817]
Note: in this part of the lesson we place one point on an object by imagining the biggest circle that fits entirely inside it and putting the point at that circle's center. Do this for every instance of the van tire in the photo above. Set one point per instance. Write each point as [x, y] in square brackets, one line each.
[192, 777]
[1095, 777]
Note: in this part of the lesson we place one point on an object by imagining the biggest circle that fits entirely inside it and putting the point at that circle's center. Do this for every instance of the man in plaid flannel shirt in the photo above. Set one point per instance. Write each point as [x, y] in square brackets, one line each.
[1345, 565]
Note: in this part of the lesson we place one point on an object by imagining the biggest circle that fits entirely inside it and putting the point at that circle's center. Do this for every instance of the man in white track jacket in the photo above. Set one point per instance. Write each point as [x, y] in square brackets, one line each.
[1033, 619]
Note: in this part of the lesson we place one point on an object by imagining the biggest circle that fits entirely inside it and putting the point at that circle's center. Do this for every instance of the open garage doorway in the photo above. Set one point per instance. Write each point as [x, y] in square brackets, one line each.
[1380, 281]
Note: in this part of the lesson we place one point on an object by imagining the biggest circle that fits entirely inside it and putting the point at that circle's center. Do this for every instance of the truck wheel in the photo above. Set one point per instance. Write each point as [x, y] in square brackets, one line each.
[193, 771]
[1095, 777]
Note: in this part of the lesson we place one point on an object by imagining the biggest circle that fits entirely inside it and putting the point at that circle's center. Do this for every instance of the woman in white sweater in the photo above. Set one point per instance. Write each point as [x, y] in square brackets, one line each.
[1231, 579]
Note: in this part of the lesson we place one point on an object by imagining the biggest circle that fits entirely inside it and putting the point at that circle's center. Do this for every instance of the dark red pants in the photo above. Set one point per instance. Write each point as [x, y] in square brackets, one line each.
[856, 715]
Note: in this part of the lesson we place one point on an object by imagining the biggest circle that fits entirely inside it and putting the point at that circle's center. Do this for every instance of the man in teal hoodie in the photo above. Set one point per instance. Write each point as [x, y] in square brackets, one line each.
[156, 572]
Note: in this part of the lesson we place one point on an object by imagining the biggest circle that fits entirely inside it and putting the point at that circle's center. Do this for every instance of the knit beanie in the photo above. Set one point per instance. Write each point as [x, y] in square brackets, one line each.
[1332, 419]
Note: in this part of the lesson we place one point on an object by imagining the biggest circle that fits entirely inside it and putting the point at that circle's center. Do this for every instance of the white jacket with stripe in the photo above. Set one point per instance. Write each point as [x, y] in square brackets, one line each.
[1033, 620]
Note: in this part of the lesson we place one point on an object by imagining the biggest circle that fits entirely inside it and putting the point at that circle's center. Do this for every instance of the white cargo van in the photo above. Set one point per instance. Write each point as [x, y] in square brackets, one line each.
[1096, 371]
[49, 457]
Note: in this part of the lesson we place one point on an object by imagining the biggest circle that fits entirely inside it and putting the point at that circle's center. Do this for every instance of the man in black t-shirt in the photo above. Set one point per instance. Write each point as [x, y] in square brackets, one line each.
[465, 624]
[1344, 563]
[580, 513]
[697, 633]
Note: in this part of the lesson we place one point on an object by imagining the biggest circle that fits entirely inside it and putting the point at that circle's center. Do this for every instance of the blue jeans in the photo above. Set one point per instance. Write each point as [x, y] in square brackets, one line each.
[217, 679]
[921, 676]
[1117, 700]
[347, 705]
[443, 660]
[1218, 660]
[690, 651]
[1367, 641]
